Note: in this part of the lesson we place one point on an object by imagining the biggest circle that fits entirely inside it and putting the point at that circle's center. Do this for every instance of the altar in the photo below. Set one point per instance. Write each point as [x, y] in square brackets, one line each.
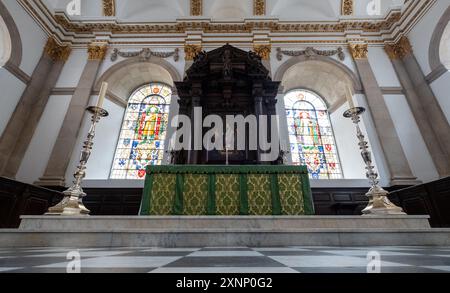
[196, 190]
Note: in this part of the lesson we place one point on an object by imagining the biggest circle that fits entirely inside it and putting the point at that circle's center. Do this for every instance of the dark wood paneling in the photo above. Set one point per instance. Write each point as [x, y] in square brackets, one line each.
[427, 199]
[22, 199]
[18, 199]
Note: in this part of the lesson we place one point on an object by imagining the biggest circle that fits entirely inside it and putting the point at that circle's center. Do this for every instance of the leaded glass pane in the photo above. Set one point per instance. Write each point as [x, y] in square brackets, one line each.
[311, 135]
[144, 129]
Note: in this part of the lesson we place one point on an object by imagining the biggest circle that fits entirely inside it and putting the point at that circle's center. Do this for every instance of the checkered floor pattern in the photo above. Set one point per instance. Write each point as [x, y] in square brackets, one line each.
[228, 260]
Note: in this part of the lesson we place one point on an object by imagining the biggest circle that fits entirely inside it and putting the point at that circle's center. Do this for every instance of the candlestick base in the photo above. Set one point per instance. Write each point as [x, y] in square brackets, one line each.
[379, 203]
[71, 205]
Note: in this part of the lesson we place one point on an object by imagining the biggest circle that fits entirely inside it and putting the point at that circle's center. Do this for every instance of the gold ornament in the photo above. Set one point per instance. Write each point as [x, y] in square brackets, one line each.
[263, 51]
[56, 51]
[109, 7]
[97, 51]
[359, 51]
[399, 50]
[191, 51]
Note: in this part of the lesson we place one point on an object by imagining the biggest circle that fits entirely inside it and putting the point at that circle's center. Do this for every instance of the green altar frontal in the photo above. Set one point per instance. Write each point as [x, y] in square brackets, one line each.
[226, 190]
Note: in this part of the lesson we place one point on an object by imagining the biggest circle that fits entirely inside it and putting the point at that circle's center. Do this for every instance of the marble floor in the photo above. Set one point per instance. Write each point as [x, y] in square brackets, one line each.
[228, 260]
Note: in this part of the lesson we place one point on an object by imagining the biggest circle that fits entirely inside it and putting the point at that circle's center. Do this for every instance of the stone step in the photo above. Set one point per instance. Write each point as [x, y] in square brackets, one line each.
[225, 237]
[111, 223]
[78, 232]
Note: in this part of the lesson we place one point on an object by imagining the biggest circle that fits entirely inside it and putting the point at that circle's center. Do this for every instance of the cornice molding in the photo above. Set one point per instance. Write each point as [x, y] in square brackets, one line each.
[274, 26]
[80, 33]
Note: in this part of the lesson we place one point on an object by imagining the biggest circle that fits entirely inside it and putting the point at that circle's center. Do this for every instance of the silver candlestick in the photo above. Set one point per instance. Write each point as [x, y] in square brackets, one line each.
[72, 203]
[379, 204]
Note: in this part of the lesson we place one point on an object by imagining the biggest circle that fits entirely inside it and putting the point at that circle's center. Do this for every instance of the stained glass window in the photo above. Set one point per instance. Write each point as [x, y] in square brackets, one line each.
[311, 135]
[141, 141]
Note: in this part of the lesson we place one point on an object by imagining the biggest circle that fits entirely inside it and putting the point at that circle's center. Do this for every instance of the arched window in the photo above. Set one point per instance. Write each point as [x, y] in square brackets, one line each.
[141, 142]
[311, 135]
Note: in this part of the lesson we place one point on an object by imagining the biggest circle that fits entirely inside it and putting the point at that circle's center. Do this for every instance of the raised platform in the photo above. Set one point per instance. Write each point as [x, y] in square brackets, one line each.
[45, 231]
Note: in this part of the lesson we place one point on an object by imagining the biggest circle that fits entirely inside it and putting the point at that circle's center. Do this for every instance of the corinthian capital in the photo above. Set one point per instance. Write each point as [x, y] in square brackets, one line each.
[359, 51]
[97, 51]
[400, 49]
[56, 51]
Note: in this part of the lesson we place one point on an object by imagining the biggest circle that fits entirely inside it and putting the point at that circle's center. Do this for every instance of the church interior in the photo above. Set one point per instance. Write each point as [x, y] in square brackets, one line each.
[191, 136]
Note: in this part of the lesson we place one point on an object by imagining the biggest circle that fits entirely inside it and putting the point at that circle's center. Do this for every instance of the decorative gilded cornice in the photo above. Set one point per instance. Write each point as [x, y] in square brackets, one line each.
[56, 51]
[259, 7]
[347, 7]
[196, 7]
[191, 51]
[263, 51]
[399, 50]
[359, 51]
[243, 27]
[109, 7]
[97, 51]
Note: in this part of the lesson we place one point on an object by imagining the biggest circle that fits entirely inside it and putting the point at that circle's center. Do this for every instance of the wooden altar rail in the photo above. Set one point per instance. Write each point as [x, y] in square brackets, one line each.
[17, 199]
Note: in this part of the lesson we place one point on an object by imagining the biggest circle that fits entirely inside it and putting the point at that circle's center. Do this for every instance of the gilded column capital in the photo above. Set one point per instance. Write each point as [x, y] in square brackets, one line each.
[196, 7]
[97, 51]
[347, 7]
[56, 51]
[399, 50]
[259, 7]
[263, 51]
[191, 51]
[359, 51]
[109, 7]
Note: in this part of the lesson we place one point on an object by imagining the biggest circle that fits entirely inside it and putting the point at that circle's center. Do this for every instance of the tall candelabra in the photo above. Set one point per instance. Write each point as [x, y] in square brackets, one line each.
[72, 203]
[379, 204]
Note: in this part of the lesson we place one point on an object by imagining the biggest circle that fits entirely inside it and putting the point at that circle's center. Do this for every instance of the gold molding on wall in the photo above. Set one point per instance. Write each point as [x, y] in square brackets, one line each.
[347, 7]
[259, 7]
[109, 7]
[399, 50]
[359, 51]
[196, 7]
[244, 27]
[56, 51]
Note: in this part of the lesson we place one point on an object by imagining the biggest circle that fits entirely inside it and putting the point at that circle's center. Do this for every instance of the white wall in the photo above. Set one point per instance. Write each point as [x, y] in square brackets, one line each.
[382, 67]
[11, 90]
[107, 135]
[412, 142]
[73, 69]
[441, 88]
[32, 36]
[420, 35]
[41, 145]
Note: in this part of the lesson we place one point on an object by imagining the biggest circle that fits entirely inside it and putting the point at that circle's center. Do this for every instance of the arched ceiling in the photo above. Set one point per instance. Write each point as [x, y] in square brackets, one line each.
[327, 80]
[125, 80]
[223, 10]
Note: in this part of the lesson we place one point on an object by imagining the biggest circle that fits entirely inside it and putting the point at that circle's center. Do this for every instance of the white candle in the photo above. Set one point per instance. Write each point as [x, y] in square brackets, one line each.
[102, 94]
[350, 97]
